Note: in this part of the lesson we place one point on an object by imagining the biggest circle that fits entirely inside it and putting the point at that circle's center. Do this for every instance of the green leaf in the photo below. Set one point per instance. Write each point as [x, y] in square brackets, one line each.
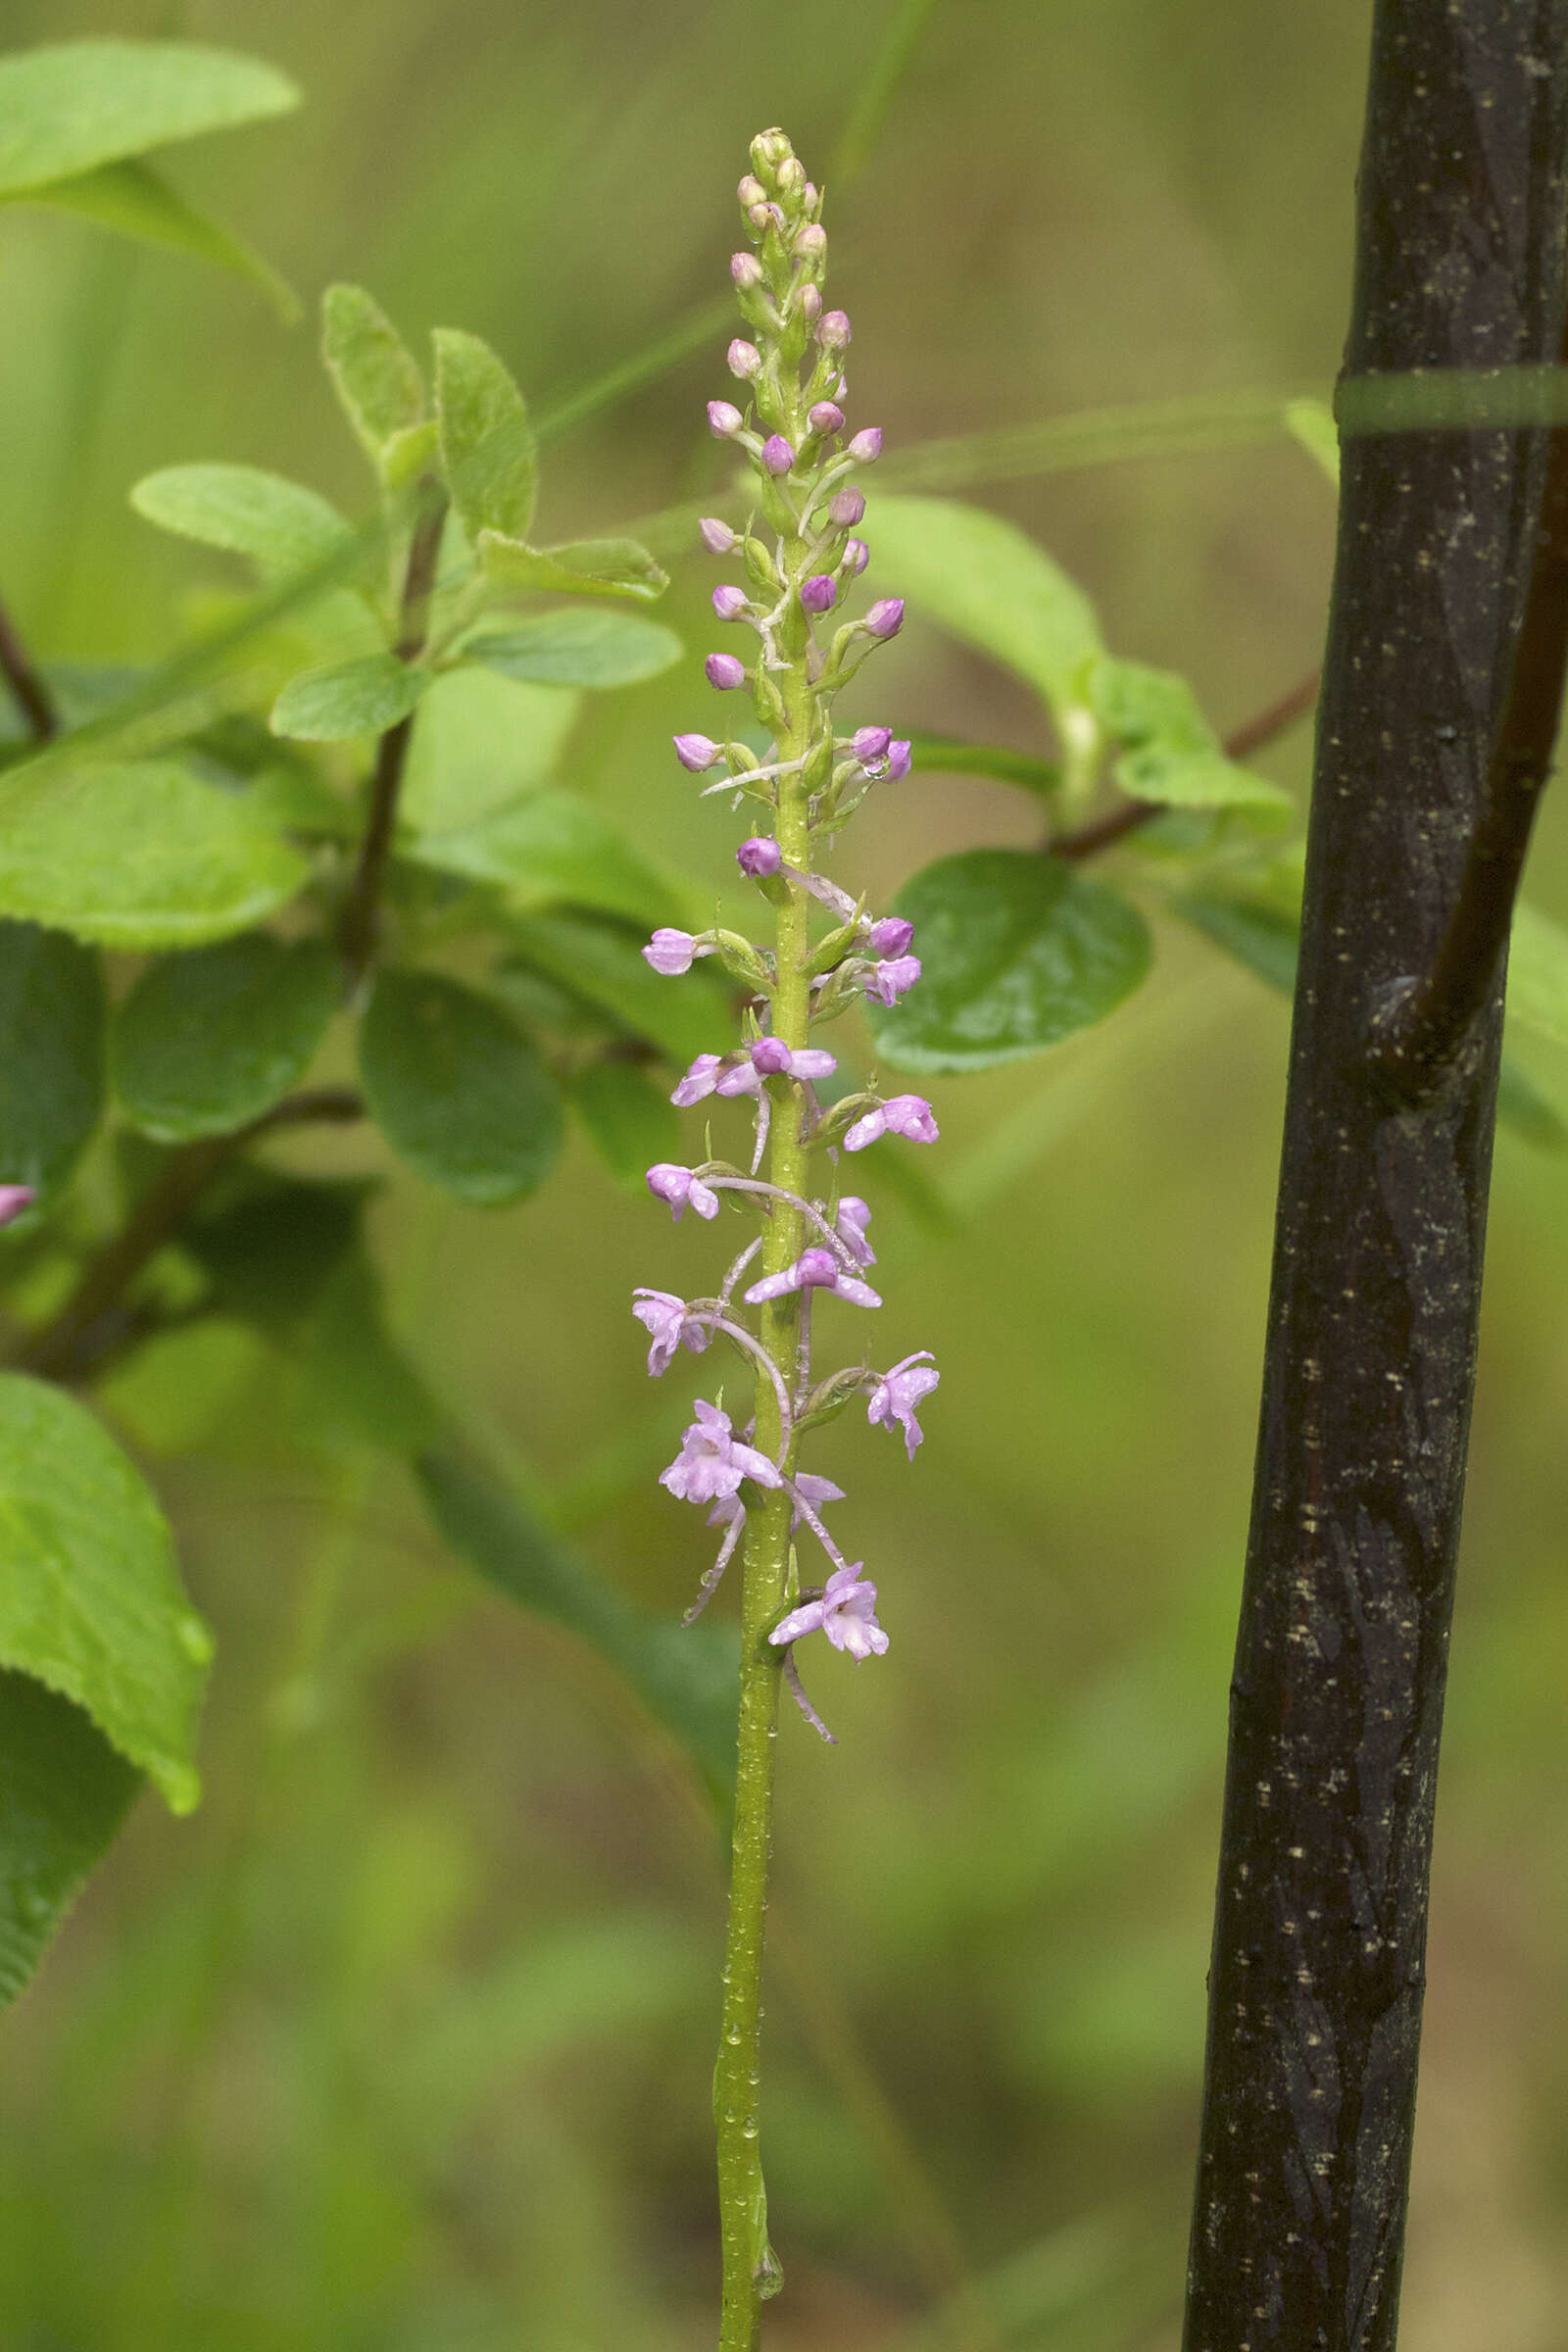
[683, 1675]
[480, 742]
[274, 1248]
[282, 525]
[1018, 952]
[584, 567]
[984, 582]
[487, 445]
[208, 1041]
[355, 1389]
[457, 1087]
[947, 755]
[604, 964]
[631, 1123]
[73, 105]
[1537, 974]
[1262, 937]
[551, 845]
[347, 699]
[91, 1604]
[141, 855]
[1311, 424]
[1526, 1111]
[64, 1793]
[580, 648]
[374, 374]
[132, 200]
[1168, 750]
[51, 1053]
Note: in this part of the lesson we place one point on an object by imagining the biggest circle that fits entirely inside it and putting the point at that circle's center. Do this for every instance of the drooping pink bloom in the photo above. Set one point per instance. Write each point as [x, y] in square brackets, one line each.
[845, 1613]
[815, 1269]
[672, 952]
[900, 758]
[713, 1460]
[699, 1080]
[666, 1319]
[908, 1115]
[758, 857]
[696, 751]
[854, 1217]
[888, 981]
[898, 1392]
[681, 1188]
[724, 671]
[13, 1199]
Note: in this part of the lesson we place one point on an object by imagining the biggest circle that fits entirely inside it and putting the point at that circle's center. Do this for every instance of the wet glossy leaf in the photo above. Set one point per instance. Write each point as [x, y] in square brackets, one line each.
[631, 1121]
[144, 855]
[282, 525]
[457, 1089]
[487, 444]
[210, 1039]
[51, 1053]
[585, 646]
[73, 105]
[374, 374]
[91, 1603]
[1018, 952]
[554, 845]
[64, 1793]
[346, 699]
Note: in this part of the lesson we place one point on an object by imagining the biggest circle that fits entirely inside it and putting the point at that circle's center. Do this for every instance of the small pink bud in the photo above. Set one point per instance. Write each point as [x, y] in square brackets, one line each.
[750, 190]
[833, 330]
[857, 555]
[847, 508]
[867, 445]
[900, 758]
[886, 616]
[723, 418]
[716, 536]
[744, 271]
[871, 743]
[810, 305]
[891, 935]
[696, 751]
[744, 360]
[808, 196]
[818, 592]
[730, 602]
[826, 417]
[811, 242]
[777, 455]
[758, 857]
[764, 217]
[13, 1199]
[724, 671]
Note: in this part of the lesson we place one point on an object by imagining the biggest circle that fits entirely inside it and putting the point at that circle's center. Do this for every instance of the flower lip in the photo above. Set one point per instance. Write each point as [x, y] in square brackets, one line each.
[898, 1392]
[681, 1188]
[846, 1611]
[713, 1460]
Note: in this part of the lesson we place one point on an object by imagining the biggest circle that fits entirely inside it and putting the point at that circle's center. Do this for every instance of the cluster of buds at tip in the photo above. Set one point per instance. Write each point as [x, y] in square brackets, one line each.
[799, 558]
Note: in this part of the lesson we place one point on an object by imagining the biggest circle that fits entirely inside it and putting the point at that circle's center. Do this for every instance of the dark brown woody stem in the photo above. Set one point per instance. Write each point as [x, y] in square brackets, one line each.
[25, 684]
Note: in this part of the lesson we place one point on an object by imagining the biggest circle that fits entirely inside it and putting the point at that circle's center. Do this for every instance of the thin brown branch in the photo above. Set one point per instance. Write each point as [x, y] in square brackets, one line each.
[1246, 739]
[36, 702]
[356, 927]
[1423, 1035]
[94, 1320]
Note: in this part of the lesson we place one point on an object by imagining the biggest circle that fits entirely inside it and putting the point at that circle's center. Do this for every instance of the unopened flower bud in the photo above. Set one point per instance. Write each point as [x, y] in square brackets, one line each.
[833, 330]
[744, 271]
[891, 935]
[818, 593]
[777, 455]
[730, 602]
[696, 751]
[808, 196]
[826, 417]
[857, 555]
[744, 360]
[716, 536]
[723, 418]
[771, 149]
[867, 445]
[724, 671]
[846, 506]
[900, 758]
[751, 191]
[810, 243]
[764, 217]
[758, 857]
[886, 616]
[871, 743]
[789, 176]
[810, 305]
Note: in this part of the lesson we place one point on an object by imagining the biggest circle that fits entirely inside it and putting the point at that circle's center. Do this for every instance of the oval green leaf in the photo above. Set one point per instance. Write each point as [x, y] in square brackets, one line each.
[480, 742]
[346, 699]
[1169, 751]
[280, 525]
[208, 1041]
[551, 845]
[91, 1603]
[51, 1053]
[487, 444]
[132, 200]
[457, 1089]
[73, 105]
[582, 647]
[374, 374]
[64, 1793]
[585, 568]
[143, 855]
[1017, 952]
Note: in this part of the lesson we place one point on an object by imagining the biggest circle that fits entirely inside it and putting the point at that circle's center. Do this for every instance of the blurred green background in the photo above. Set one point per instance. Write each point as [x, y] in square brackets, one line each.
[404, 2041]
